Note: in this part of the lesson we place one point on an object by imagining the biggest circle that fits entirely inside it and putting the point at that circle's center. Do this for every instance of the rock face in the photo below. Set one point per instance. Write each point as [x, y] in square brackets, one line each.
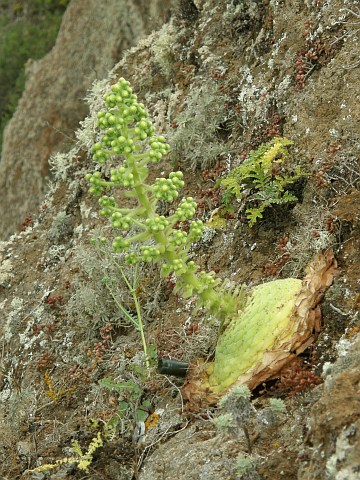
[91, 40]
[334, 426]
[218, 80]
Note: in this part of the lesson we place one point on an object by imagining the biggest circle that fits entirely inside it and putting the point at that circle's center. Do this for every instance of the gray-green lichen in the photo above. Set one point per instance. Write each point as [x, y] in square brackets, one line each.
[196, 139]
[5, 266]
[162, 48]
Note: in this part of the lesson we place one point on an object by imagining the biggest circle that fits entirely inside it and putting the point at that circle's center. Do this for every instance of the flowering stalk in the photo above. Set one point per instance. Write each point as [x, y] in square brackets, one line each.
[126, 132]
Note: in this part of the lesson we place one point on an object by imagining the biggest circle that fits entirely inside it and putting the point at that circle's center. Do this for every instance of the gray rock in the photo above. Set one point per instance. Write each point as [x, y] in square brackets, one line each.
[334, 436]
[91, 40]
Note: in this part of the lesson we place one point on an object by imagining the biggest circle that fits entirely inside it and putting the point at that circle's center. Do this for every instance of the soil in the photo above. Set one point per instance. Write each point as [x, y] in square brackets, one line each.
[285, 68]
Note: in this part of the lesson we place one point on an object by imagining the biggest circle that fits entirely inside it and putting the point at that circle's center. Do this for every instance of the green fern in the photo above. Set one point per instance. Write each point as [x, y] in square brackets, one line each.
[261, 180]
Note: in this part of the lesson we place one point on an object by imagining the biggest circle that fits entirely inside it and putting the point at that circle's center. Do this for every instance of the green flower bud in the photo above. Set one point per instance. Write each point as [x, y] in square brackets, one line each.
[95, 181]
[192, 266]
[132, 258]
[116, 88]
[177, 179]
[128, 179]
[108, 203]
[164, 189]
[156, 224]
[120, 221]
[110, 132]
[120, 244]
[97, 146]
[207, 278]
[153, 157]
[165, 270]
[196, 230]
[100, 156]
[178, 238]
[178, 266]
[186, 209]
[149, 254]
[122, 176]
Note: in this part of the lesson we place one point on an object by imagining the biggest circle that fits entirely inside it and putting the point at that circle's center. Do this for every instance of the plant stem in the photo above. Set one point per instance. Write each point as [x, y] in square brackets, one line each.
[138, 313]
[132, 289]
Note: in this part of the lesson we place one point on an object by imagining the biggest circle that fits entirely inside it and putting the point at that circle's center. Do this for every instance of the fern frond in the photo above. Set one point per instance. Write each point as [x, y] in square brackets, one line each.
[288, 197]
[275, 148]
[232, 185]
[254, 214]
[264, 175]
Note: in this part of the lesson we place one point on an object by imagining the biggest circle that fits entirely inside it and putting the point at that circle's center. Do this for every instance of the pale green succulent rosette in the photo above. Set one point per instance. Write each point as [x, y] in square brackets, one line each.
[265, 325]
[280, 320]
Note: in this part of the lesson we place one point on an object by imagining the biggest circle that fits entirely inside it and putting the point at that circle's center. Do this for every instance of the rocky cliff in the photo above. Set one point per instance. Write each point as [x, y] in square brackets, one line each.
[91, 41]
[219, 79]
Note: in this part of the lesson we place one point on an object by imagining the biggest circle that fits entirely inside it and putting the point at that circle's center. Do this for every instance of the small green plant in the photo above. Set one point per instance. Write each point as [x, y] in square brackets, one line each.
[127, 134]
[261, 180]
[132, 407]
[277, 405]
[82, 459]
[245, 467]
[272, 415]
[224, 422]
[238, 410]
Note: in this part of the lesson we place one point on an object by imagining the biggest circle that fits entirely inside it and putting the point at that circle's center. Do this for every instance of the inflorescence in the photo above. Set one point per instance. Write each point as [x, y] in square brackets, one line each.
[127, 134]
